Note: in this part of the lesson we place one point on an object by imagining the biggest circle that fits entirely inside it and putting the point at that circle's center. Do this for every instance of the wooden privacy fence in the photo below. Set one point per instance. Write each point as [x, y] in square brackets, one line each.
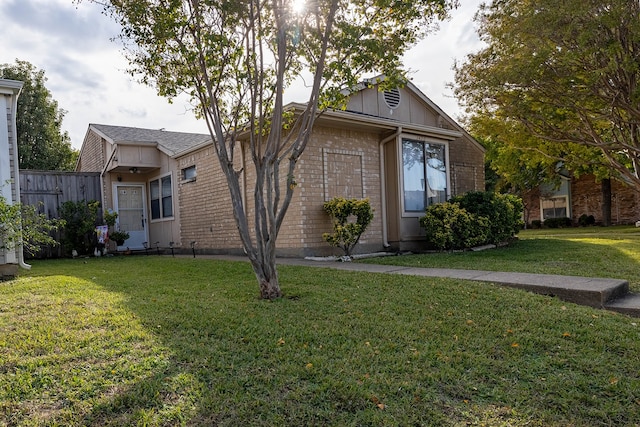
[48, 190]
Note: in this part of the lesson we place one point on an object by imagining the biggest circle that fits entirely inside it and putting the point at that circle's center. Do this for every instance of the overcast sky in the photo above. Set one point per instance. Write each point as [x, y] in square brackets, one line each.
[86, 70]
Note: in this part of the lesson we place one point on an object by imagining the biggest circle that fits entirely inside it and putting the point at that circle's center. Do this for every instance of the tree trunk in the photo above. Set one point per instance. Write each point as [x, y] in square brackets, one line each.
[606, 202]
[270, 289]
[267, 276]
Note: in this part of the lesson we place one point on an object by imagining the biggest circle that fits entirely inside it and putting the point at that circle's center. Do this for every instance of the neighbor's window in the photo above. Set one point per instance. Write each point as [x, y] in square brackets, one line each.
[554, 207]
[161, 198]
[425, 174]
[554, 200]
[189, 174]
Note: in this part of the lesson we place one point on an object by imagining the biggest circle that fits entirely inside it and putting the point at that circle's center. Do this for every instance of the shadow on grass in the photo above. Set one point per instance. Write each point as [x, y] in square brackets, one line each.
[356, 349]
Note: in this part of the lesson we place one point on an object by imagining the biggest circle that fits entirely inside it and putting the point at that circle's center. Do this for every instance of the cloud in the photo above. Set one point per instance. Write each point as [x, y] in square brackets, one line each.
[86, 70]
[59, 25]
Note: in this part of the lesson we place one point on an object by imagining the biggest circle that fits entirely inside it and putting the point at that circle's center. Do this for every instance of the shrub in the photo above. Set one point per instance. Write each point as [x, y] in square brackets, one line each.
[80, 218]
[23, 225]
[502, 211]
[557, 222]
[536, 223]
[448, 227]
[351, 217]
[586, 220]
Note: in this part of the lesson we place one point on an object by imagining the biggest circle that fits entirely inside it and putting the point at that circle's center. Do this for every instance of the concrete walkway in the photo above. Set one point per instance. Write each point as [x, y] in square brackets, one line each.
[610, 294]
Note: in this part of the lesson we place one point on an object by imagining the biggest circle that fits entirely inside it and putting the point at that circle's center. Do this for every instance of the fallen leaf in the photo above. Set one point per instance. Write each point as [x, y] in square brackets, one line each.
[377, 402]
[280, 341]
[515, 344]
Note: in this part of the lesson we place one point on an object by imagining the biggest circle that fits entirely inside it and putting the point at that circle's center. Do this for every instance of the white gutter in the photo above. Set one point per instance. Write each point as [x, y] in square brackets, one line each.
[383, 187]
[16, 171]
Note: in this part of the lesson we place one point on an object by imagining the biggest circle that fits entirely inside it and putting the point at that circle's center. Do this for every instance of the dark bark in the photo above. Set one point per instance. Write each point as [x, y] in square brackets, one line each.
[270, 289]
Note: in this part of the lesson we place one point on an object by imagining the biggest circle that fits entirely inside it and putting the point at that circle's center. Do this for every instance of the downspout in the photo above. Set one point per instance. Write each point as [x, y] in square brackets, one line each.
[16, 171]
[383, 187]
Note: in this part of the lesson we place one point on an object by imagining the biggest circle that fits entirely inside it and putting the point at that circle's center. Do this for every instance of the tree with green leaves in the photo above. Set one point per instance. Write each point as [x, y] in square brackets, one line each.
[519, 162]
[560, 82]
[236, 58]
[23, 226]
[42, 144]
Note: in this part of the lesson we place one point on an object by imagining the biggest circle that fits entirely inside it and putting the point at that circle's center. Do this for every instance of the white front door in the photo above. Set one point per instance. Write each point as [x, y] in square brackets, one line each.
[130, 204]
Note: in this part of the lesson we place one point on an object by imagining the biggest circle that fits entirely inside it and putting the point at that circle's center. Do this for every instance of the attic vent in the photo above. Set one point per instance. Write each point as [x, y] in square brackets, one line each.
[392, 98]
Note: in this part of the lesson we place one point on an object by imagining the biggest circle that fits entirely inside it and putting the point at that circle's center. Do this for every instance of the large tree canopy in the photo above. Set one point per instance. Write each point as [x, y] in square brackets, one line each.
[41, 142]
[237, 57]
[559, 79]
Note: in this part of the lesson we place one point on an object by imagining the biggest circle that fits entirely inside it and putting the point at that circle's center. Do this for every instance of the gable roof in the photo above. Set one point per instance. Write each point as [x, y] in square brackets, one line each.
[169, 142]
[179, 143]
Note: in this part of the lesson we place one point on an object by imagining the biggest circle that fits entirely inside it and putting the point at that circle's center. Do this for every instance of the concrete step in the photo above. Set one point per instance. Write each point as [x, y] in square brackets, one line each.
[627, 304]
[594, 292]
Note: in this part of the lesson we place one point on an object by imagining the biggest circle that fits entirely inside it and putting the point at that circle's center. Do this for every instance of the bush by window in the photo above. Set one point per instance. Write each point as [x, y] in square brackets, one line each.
[473, 219]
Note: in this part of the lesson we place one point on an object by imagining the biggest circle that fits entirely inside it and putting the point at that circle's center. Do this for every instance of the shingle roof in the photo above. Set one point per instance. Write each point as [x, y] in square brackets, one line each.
[171, 142]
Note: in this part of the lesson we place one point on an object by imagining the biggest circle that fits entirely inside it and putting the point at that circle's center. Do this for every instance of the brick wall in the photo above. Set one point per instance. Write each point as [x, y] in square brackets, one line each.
[586, 195]
[92, 157]
[336, 162]
[326, 169]
[586, 198]
[205, 204]
[467, 166]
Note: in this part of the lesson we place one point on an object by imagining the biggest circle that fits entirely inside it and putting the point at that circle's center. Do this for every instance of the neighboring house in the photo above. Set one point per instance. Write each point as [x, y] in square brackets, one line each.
[9, 172]
[396, 148]
[583, 196]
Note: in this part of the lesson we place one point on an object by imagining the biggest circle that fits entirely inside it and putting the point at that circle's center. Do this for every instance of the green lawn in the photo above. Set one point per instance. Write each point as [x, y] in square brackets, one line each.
[158, 341]
[593, 252]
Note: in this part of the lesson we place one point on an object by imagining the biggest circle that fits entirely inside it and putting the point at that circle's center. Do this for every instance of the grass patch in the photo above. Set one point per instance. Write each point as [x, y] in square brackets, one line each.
[161, 341]
[612, 252]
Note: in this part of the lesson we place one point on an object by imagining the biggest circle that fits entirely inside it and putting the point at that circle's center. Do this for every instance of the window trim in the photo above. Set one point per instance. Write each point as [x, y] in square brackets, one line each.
[159, 179]
[563, 197]
[564, 191]
[183, 175]
[425, 140]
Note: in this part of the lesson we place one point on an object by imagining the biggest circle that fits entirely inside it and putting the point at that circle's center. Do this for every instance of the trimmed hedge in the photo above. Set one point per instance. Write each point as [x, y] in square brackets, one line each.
[473, 219]
[449, 227]
[350, 218]
[586, 220]
[558, 222]
[504, 212]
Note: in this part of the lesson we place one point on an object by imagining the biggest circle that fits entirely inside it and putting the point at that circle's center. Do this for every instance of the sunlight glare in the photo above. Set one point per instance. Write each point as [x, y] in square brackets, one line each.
[298, 6]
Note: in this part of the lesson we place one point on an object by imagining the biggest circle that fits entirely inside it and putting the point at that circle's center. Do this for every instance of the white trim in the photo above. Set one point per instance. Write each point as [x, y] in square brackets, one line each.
[173, 197]
[557, 194]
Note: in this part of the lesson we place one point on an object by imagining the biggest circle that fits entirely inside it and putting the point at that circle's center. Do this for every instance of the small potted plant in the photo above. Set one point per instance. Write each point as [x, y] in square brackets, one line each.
[119, 236]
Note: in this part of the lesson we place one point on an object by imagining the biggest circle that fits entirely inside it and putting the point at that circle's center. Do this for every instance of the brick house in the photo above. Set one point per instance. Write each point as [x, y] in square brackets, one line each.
[396, 148]
[582, 196]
